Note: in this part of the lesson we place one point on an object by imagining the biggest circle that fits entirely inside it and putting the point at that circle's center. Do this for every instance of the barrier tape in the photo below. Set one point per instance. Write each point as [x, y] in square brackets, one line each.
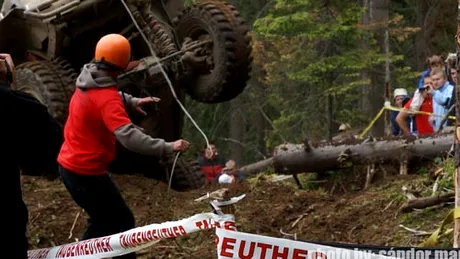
[130, 241]
[235, 245]
[239, 245]
[230, 243]
[393, 108]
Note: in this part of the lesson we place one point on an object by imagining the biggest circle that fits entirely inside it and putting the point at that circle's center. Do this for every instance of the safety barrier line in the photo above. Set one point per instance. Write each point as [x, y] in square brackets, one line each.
[236, 245]
[129, 241]
[393, 108]
[232, 244]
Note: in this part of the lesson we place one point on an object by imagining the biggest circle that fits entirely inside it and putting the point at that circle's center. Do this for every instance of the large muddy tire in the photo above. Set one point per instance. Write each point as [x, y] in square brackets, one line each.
[67, 75]
[186, 176]
[231, 50]
[44, 80]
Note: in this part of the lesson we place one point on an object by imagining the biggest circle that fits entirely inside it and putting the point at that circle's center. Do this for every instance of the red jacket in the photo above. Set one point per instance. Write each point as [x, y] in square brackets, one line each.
[89, 144]
[97, 119]
[211, 167]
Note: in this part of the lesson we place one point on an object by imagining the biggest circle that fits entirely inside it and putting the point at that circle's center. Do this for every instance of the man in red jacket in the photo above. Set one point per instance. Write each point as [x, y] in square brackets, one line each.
[97, 118]
[421, 120]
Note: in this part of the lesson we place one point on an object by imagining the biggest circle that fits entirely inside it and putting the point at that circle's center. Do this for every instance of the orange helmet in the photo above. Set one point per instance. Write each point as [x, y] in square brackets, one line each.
[113, 50]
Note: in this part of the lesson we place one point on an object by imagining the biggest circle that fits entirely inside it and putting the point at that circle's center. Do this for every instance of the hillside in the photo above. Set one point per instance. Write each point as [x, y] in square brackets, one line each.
[366, 217]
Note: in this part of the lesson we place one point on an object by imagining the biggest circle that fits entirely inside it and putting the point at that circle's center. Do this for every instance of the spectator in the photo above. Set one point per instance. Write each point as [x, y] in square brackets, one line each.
[211, 163]
[230, 173]
[399, 95]
[441, 93]
[31, 139]
[421, 120]
[434, 61]
[452, 75]
[451, 62]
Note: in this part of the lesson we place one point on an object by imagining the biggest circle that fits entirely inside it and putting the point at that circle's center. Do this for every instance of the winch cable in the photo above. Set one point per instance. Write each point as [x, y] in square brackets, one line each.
[149, 44]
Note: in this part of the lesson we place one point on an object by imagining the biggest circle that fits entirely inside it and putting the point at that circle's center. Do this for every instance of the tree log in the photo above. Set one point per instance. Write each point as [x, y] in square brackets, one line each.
[298, 158]
[426, 202]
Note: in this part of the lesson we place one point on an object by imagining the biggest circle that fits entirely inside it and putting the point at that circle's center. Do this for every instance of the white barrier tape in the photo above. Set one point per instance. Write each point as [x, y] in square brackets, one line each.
[233, 200]
[232, 244]
[131, 240]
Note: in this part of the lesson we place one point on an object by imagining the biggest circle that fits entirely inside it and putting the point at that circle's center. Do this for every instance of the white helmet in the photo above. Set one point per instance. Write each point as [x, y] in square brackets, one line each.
[399, 92]
[344, 126]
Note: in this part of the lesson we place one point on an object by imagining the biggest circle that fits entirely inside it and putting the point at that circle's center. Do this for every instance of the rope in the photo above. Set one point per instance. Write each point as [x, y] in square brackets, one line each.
[172, 170]
[149, 44]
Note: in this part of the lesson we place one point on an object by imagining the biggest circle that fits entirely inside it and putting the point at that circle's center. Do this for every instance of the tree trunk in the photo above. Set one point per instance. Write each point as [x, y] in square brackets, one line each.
[420, 38]
[236, 132]
[366, 103]
[330, 114]
[388, 95]
[298, 158]
[426, 202]
[457, 139]
[259, 120]
[377, 12]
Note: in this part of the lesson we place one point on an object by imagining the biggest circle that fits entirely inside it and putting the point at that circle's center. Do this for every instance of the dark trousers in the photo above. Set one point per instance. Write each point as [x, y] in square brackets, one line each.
[20, 216]
[101, 199]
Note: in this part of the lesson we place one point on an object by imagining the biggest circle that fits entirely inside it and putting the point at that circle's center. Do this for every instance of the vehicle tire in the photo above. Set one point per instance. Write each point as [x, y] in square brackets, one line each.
[42, 79]
[67, 75]
[231, 51]
[186, 176]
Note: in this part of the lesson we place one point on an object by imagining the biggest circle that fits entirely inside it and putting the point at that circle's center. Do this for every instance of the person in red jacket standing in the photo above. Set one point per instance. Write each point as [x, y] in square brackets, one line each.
[97, 118]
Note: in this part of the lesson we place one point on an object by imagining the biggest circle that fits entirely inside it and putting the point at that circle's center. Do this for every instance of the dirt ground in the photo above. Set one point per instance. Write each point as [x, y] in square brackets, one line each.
[368, 217]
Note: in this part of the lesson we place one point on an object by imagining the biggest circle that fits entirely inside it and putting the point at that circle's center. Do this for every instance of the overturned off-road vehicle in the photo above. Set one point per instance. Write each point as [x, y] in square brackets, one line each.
[204, 48]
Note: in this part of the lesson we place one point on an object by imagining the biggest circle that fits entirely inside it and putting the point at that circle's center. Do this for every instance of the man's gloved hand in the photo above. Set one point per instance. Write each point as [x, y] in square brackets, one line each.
[7, 69]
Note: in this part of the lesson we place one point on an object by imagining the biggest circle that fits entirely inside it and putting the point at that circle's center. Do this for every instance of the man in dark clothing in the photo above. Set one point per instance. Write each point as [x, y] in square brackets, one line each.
[395, 129]
[401, 98]
[30, 142]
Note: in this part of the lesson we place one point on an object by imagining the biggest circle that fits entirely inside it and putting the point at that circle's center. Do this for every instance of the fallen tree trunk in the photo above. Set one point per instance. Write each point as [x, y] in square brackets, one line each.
[298, 158]
[426, 202]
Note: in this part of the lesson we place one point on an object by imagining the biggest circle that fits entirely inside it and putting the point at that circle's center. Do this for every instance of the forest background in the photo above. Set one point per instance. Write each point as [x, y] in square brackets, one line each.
[321, 63]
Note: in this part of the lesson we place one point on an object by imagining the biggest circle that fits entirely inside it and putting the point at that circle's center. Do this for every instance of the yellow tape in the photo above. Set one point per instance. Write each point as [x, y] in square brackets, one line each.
[393, 108]
[433, 240]
[372, 123]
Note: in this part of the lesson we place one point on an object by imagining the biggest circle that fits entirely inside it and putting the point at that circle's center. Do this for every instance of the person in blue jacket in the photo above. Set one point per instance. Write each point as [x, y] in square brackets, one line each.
[400, 97]
[434, 61]
[442, 97]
